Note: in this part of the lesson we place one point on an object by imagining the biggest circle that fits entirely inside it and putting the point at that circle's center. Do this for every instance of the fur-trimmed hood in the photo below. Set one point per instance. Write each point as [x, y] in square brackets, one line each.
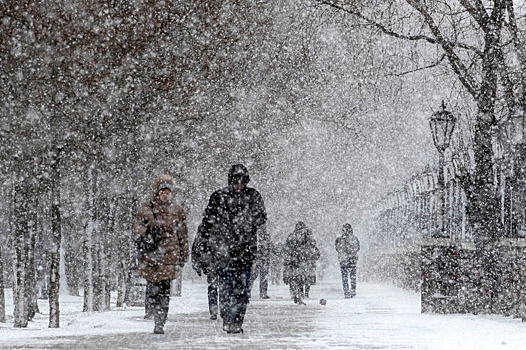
[162, 181]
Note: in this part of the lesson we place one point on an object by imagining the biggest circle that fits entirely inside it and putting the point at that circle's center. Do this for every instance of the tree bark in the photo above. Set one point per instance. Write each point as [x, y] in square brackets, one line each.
[21, 228]
[88, 241]
[31, 264]
[54, 268]
[2, 295]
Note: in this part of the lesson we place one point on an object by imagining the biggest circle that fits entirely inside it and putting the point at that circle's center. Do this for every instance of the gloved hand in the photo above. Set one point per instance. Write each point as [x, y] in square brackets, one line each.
[197, 268]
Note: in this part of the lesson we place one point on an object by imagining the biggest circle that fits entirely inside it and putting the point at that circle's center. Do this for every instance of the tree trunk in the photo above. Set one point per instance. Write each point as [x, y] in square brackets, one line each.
[73, 271]
[108, 247]
[2, 295]
[123, 249]
[88, 274]
[483, 213]
[31, 282]
[97, 259]
[21, 228]
[54, 268]
[88, 242]
[132, 263]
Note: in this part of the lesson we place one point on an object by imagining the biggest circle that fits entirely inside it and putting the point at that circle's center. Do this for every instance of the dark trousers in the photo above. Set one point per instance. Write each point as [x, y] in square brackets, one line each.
[348, 271]
[261, 270]
[213, 301]
[234, 292]
[299, 289]
[158, 300]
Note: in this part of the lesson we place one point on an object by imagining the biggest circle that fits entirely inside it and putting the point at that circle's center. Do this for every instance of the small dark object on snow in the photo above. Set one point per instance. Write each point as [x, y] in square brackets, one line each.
[323, 302]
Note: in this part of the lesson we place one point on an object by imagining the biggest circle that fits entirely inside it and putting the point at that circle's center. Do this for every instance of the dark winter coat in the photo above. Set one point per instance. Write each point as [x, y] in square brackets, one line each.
[299, 256]
[202, 258]
[162, 264]
[230, 223]
[347, 246]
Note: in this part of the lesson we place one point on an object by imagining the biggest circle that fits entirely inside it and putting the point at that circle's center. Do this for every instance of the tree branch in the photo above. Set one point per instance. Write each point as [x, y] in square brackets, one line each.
[422, 68]
[387, 31]
[458, 67]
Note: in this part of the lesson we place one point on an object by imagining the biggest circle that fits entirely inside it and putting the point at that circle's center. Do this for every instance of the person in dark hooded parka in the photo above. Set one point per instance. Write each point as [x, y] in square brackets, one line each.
[229, 228]
[299, 263]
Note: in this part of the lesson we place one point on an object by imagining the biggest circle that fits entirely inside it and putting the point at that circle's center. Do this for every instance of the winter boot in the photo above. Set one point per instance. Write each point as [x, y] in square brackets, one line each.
[158, 329]
[227, 326]
[236, 329]
[213, 317]
[298, 301]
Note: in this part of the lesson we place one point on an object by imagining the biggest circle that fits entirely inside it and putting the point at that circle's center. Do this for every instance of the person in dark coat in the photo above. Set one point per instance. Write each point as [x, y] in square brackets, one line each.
[230, 226]
[348, 246]
[300, 255]
[161, 266]
[262, 264]
[276, 262]
[312, 254]
[202, 262]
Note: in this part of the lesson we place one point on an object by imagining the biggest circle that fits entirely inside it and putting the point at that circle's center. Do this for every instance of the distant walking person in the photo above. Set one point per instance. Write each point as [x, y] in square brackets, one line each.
[261, 265]
[348, 246]
[299, 262]
[161, 265]
[230, 226]
[203, 262]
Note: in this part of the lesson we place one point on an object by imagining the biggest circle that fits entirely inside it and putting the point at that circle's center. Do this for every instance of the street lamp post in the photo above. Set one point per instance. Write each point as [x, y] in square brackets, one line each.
[442, 124]
[437, 290]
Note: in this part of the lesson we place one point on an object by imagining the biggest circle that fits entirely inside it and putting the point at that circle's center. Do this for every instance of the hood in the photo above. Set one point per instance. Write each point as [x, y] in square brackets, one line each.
[162, 181]
[347, 230]
[238, 174]
[300, 226]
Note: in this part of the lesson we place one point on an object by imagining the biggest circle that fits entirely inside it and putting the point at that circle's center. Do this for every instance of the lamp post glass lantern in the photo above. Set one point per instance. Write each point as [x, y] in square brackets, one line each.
[442, 124]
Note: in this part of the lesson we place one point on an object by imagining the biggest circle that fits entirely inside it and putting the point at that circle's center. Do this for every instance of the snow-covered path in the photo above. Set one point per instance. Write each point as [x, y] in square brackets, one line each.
[380, 317]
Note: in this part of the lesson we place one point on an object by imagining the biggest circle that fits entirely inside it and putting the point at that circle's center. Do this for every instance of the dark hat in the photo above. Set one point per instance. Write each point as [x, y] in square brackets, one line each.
[347, 229]
[300, 225]
[238, 174]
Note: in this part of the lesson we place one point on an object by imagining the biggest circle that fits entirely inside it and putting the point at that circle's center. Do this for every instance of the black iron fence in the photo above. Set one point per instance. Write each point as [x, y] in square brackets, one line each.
[422, 239]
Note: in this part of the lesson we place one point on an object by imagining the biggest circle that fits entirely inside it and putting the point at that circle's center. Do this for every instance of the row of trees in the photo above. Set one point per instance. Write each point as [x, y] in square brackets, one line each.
[98, 96]
[82, 88]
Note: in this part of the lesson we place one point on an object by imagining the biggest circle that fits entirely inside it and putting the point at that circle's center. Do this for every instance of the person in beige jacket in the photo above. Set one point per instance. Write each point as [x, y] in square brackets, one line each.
[161, 266]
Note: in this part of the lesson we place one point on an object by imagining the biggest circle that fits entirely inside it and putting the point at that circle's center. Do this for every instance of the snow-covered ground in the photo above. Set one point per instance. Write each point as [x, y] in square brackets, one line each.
[380, 317]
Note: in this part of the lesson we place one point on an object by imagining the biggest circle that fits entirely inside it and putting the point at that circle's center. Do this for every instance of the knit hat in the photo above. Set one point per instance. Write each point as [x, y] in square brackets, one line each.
[347, 229]
[165, 185]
